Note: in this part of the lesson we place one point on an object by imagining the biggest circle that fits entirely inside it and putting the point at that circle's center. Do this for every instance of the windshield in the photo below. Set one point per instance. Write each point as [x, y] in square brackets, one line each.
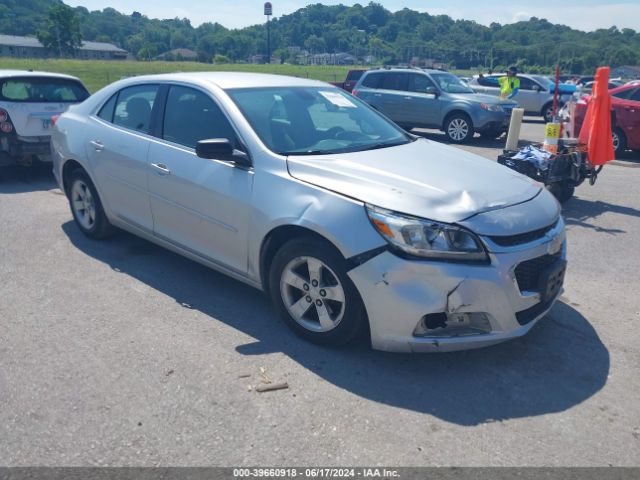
[314, 120]
[450, 83]
[42, 90]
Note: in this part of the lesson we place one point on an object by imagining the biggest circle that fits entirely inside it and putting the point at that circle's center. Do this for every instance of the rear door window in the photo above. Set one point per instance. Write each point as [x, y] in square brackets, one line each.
[133, 107]
[106, 112]
[42, 90]
[395, 81]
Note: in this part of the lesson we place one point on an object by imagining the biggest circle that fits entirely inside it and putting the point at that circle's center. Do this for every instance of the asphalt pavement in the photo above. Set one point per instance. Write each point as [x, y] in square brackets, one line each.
[121, 353]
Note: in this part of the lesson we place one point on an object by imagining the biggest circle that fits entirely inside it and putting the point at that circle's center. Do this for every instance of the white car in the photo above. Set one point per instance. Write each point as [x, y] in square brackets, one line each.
[28, 102]
[535, 95]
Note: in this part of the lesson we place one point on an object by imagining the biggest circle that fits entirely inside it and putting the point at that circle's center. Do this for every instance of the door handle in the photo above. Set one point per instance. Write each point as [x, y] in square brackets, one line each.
[408, 98]
[377, 94]
[98, 146]
[161, 169]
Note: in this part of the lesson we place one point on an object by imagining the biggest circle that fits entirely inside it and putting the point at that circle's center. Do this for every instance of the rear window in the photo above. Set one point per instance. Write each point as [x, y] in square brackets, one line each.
[354, 75]
[42, 90]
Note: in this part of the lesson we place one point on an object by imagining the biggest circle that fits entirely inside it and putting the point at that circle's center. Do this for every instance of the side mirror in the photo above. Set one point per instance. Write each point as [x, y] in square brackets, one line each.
[221, 149]
[537, 88]
[432, 91]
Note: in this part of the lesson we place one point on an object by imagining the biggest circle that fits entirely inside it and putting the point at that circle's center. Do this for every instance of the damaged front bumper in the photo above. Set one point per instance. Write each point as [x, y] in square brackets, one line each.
[429, 306]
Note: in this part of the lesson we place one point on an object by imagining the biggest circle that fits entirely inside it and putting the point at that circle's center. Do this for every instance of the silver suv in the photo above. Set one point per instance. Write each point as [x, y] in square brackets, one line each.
[535, 95]
[299, 189]
[434, 99]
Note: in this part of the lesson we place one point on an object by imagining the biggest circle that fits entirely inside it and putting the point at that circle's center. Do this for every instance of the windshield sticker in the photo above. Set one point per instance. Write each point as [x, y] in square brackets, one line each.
[338, 100]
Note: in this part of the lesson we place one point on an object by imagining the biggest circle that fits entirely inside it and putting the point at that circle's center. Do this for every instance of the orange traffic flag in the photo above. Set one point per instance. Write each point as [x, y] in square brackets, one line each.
[596, 128]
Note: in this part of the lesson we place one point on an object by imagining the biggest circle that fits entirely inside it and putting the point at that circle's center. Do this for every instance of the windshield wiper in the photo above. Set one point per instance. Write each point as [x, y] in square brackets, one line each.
[377, 146]
[308, 152]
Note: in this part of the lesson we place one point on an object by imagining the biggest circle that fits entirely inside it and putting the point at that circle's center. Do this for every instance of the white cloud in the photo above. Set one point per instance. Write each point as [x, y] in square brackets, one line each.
[521, 17]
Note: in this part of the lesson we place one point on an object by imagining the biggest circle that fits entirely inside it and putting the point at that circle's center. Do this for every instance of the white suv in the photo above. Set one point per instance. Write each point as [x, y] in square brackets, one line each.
[535, 96]
[28, 103]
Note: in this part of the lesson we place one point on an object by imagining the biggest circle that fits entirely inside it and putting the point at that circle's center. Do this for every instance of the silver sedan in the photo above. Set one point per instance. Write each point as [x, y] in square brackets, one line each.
[297, 188]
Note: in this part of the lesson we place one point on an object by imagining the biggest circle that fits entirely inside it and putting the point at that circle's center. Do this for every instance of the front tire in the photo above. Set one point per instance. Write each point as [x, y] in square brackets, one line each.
[563, 191]
[86, 206]
[459, 128]
[310, 289]
[491, 134]
[619, 142]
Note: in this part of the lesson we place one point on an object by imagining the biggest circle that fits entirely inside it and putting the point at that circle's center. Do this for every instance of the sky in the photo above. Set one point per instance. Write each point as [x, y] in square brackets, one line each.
[581, 14]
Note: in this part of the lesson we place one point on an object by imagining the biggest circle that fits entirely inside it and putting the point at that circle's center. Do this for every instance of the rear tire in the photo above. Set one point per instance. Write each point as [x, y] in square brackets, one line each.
[310, 289]
[86, 206]
[458, 128]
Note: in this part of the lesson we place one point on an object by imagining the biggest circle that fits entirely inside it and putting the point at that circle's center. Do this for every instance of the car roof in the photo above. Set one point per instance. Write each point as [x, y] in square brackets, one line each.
[31, 73]
[622, 88]
[229, 80]
[405, 69]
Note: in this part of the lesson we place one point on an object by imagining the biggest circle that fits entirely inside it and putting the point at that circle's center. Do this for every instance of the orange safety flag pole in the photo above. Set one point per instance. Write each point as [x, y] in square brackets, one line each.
[596, 128]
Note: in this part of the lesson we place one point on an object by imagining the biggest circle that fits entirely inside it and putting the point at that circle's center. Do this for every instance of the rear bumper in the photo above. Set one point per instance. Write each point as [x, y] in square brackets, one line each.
[18, 147]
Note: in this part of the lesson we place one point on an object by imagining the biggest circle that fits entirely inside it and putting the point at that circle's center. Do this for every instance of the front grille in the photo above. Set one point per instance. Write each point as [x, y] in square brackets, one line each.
[521, 238]
[528, 272]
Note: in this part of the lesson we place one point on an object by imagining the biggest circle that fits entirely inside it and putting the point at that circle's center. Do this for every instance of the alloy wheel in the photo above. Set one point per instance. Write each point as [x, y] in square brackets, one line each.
[458, 129]
[83, 204]
[312, 294]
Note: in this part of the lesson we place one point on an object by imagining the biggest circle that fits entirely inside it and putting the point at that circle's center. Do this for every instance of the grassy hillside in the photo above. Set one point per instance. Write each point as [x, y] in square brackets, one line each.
[97, 74]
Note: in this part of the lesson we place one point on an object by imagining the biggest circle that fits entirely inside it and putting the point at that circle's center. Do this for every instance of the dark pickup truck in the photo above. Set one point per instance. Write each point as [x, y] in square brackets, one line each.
[352, 78]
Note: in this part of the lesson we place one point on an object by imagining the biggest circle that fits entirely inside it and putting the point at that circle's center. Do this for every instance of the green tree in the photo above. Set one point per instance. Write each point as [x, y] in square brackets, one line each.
[60, 33]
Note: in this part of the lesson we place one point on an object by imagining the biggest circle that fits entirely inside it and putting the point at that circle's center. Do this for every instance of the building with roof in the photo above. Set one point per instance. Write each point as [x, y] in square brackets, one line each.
[30, 47]
[179, 54]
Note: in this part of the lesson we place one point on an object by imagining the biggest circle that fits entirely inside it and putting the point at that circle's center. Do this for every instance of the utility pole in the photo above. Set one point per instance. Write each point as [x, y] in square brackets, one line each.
[268, 11]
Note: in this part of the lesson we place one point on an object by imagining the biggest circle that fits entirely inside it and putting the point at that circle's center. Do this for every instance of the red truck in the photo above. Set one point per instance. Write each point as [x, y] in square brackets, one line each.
[352, 78]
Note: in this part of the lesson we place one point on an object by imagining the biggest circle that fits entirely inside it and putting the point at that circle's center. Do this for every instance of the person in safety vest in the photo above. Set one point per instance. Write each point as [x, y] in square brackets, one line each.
[509, 85]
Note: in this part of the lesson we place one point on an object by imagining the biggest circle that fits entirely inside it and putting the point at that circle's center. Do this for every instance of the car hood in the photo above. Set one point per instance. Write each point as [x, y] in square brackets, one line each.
[481, 98]
[422, 178]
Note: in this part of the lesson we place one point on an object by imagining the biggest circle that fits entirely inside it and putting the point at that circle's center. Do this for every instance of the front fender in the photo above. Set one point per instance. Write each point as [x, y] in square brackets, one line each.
[281, 200]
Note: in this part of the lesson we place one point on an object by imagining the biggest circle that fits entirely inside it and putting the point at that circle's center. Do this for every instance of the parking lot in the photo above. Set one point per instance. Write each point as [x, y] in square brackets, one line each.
[122, 353]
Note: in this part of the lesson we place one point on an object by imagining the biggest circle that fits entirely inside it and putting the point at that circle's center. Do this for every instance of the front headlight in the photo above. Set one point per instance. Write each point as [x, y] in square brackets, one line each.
[491, 107]
[426, 238]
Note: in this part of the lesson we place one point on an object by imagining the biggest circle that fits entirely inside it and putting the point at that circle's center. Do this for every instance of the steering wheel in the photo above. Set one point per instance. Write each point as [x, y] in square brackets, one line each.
[333, 132]
[345, 135]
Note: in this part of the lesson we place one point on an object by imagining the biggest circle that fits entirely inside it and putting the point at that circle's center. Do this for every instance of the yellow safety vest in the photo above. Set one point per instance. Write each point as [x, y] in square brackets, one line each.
[508, 85]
